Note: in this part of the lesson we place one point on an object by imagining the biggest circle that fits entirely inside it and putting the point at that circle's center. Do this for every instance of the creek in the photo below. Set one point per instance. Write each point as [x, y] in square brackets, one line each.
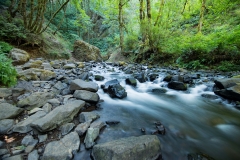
[194, 124]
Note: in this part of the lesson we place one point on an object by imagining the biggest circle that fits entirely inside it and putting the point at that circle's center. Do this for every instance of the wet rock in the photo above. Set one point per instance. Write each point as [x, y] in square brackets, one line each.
[153, 76]
[6, 125]
[84, 76]
[82, 128]
[5, 92]
[168, 78]
[69, 66]
[25, 125]
[131, 81]
[66, 128]
[232, 93]
[86, 96]
[92, 134]
[210, 96]
[8, 111]
[177, 78]
[58, 116]
[37, 99]
[177, 85]
[109, 83]
[161, 129]
[146, 147]
[159, 90]
[86, 52]
[140, 77]
[79, 84]
[226, 82]
[98, 124]
[19, 56]
[33, 155]
[63, 149]
[116, 91]
[17, 157]
[98, 78]
[112, 122]
[88, 116]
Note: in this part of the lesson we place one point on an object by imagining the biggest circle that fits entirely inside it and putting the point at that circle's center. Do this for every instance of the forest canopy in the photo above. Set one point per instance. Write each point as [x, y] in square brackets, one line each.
[190, 33]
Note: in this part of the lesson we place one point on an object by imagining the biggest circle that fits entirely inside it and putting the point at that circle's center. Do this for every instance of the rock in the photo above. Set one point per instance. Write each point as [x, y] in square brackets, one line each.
[168, 78]
[92, 134]
[35, 100]
[84, 76]
[60, 86]
[177, 85]
[159, 90]
[33, 155]
[98, 78]
[79, 84]
[66, 128]
[177, 78]
[232, 93]
[226, 82]
[112, 122]
[63, 149]
[8, 111]
[42, 138]
[86, 52]
[35, 110]
[29, 74]
[69, 66]
[58, 116]
[29, 140]
[109, 83]
[86, 96]
[1, 144]
[47, 66]
[19, 56]
[3, 151]
[146, 147]
[98, 125]
[25, 125]
[54, 102]
[88, 116]
[33, 64]
[131, 81]
[210, 96]
[47, 107]
[82, 128]
[6, 125]
[117, 91]
[47, 75]
[153, 76]
[140, 77]
[5, 92]
[17, 157]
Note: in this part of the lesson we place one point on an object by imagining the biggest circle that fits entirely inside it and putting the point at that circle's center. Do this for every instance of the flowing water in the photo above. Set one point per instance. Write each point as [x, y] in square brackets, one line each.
[194, 124]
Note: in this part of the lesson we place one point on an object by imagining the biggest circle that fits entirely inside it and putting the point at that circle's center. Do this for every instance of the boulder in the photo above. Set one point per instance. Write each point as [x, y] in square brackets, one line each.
[109, 83]
[86, 52]
[88, 116]
[37, 99]
[153, 76]
[131, 81]
[58, 116]
[19, 56]
[168, 78]
[146, 147]
[98, 78]
[62, 149]
[25, 125]
[9, 111]
[47, 75]
[33, 64]
[86, 96]
[35, 74]
[232, 93]
[177, 85]
[6, 125]
[5, 92]
[66, 128]
[98, 124]
[117, 91]
[79, 84]
[159, 90]
[140, 77]
[92, 134]
[82, 128]
[69, 66]
[226, 82]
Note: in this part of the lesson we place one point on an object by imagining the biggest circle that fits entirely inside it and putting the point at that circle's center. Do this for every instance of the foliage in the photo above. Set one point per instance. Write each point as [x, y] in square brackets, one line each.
[226, 66]
[5, 47]
[7, 71]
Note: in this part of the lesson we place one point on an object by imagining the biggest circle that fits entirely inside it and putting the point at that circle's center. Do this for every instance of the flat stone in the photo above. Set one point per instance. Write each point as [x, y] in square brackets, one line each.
[63, 149]
[82, 128]
[8, 111]
[86, 96]
[54, 102]
[60, 86]
[42, 138]
[69, 66]
[25, 125]
[6, 125]
[5, 92]
[98, 124]
[58, 116]
[92, 134]
[66, 128]
[146, 147]
[79, 84]
[226, 82]
[88, 116]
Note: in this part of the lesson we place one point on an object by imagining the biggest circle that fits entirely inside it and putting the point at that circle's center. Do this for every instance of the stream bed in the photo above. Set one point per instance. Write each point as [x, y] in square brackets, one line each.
[193, 123]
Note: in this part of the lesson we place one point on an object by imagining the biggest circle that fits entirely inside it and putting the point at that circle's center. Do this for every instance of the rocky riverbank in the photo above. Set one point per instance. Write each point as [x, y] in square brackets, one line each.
[51, 110]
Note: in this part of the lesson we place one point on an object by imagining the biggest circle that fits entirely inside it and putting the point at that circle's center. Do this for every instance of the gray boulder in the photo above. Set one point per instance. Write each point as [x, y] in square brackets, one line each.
[66, 128]
[5, 92]
[6, 125]
[232, 93]
[8, 111]
[84, 51]
[79, 84]
[19, 56]
[131, 81]
[58, 116]
[88, 116]
[37, 99]
[25, 125]
[63, 149]
[82, 128]
[226, 82]
[92, 134]
[146, 147]
[117, 91]
[86, 96]
[98, 124]
[177, 85]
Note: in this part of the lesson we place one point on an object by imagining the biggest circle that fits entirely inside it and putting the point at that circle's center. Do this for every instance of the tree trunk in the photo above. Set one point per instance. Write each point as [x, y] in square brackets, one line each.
[159, 12]
[185, 3]
[121, 24]
[200, 24]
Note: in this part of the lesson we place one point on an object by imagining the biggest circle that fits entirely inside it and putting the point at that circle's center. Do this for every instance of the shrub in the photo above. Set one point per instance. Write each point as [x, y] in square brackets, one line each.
[5, 47]
[8, 73]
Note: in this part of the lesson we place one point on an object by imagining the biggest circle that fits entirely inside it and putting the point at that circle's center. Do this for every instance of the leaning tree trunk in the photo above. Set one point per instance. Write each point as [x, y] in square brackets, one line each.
[200, 24]
[121, 24]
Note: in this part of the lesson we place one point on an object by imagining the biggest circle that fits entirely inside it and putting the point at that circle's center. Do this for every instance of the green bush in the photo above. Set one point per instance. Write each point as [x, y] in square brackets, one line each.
[5, 47]
[227, 66]
[8, 73]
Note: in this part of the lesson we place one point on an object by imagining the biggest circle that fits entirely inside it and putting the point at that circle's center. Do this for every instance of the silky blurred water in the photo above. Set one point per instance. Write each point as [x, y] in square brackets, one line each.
[194, 124]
